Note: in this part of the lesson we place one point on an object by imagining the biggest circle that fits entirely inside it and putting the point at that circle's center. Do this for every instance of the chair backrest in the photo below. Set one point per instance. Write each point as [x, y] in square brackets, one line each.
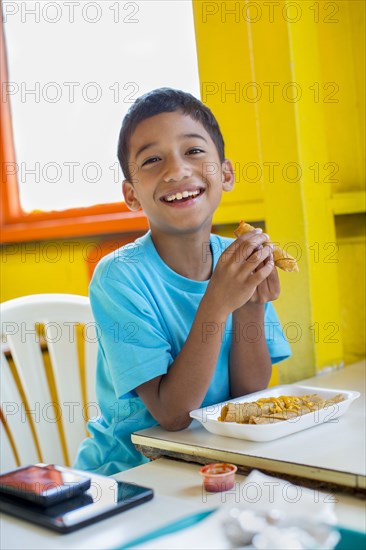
[47, 377]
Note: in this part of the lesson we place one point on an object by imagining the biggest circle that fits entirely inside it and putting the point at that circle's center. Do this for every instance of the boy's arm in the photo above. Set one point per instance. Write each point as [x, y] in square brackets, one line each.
[172, 396]
[233, 284]
[250, 361]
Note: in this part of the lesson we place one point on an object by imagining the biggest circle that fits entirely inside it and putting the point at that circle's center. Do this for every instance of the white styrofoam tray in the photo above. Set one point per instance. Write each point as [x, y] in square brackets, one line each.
[208, 416]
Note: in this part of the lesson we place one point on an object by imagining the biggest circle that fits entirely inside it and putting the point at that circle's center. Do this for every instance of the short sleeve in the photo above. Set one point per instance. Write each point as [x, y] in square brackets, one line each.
[278, 346]
[130, 333]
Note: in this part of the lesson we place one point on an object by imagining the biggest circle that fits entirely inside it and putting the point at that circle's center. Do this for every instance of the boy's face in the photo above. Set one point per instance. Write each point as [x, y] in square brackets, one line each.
[178, 178]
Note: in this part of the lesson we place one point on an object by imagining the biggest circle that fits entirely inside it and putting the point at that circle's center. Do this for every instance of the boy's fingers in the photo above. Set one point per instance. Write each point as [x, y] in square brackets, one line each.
[255, 243]
[258, 255]
[265, 270]
[235, 249]
[251, 239]
[243, 238]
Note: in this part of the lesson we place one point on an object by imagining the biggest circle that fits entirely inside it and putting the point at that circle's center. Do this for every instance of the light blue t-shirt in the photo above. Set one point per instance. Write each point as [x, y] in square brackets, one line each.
[144, 311]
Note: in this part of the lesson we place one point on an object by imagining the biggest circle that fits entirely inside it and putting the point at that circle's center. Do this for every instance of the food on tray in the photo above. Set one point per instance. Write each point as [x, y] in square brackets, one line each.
[282, 259]
[275, 409]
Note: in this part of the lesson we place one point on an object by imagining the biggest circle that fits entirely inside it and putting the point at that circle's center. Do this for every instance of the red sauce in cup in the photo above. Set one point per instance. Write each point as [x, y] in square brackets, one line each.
[218, 477]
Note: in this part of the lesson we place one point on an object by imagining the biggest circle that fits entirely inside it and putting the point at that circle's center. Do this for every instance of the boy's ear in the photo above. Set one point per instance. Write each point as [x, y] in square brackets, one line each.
[129, 194]
[227, 175]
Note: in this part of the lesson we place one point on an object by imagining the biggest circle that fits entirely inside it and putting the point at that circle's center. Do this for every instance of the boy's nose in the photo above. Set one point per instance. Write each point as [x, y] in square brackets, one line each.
[176, 170]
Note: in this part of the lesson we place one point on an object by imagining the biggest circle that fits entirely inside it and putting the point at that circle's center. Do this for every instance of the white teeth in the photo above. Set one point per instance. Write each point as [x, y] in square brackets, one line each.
[183, 195]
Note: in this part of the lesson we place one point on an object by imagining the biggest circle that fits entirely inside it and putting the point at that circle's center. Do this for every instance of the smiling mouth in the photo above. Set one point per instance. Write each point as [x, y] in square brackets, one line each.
[182, 197]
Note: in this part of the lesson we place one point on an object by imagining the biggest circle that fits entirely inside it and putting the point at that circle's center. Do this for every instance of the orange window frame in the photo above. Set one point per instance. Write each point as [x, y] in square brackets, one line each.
[17, 225]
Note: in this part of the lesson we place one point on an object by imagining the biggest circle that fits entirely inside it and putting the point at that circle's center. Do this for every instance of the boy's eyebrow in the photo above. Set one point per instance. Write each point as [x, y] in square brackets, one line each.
[194, 136]
[154, 143]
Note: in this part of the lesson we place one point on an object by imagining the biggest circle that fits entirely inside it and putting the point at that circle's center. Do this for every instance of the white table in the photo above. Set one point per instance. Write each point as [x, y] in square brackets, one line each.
[178, 493]
[332, 453]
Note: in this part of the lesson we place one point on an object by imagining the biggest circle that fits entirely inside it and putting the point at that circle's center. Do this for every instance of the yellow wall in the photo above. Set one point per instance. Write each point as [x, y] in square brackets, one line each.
[352, 288]
[320, 213]
[288, 88]
[41, 267]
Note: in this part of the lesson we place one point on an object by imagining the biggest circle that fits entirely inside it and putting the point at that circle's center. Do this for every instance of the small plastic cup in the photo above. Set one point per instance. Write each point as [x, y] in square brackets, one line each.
[218, 477]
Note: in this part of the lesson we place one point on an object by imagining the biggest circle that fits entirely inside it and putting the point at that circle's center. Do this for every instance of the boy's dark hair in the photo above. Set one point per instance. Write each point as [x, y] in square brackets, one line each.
[166, 100]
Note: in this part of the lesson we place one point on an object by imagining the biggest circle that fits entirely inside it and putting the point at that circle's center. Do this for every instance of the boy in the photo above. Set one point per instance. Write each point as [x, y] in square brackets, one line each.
[181, 312]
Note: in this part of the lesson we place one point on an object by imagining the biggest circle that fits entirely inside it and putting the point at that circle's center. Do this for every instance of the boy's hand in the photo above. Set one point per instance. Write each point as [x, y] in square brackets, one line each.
[269, 289]
[241, 274]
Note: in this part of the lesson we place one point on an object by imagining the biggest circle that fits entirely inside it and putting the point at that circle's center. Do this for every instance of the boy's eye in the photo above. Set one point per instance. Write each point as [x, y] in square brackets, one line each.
[150, 160]
[194, 151]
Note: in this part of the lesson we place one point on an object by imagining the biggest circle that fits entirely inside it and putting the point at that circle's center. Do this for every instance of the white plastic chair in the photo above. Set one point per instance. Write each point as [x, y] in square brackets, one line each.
[43, 406]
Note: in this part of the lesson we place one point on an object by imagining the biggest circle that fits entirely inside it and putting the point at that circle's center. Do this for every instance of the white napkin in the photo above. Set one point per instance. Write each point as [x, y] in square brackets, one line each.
[258, 493]
[262, 492]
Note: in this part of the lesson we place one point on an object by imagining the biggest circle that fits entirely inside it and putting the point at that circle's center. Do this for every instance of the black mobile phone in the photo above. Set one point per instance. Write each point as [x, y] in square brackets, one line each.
[105, 498]
[44, 485]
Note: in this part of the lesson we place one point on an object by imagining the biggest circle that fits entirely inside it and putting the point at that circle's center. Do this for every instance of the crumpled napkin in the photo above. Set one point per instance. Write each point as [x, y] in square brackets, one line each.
[261, 494]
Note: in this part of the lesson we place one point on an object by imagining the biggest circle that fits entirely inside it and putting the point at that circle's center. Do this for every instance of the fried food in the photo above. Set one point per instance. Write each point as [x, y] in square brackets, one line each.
[282, 259]
[275, 409]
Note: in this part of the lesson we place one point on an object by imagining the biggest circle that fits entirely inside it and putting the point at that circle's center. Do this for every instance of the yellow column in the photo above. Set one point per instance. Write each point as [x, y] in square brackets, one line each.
[267, 55]
[296, 188]
[223, 50]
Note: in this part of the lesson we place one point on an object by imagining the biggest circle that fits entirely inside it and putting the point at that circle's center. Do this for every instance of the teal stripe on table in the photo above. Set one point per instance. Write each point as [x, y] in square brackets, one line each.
[173, 527]
[351, 540]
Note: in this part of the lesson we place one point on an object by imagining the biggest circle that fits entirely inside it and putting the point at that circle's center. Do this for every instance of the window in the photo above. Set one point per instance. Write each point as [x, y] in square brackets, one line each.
[74, 68]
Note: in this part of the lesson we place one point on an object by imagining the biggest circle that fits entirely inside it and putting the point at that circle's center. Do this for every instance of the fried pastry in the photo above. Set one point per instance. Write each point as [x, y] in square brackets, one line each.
[275, 409]
[282, 259]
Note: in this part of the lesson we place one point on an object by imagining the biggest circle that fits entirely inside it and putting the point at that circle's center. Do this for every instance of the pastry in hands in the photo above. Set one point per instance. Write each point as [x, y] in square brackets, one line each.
[282, 259]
